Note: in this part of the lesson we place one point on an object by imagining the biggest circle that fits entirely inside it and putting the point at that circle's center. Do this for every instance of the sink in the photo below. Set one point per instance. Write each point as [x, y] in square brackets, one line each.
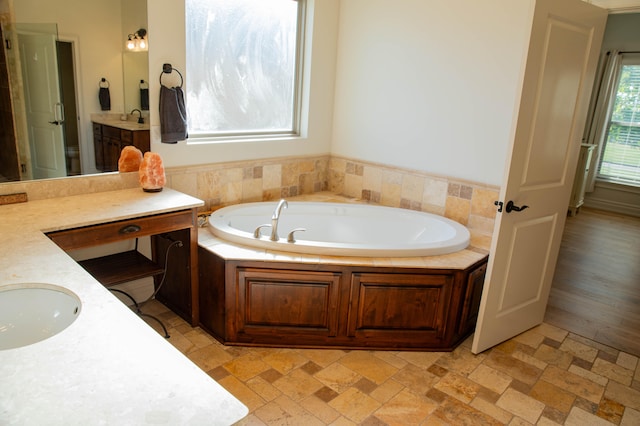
[32, 312]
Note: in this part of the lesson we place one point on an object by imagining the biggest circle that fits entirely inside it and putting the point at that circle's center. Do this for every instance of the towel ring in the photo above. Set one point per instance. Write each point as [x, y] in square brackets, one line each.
[143, 84]
[103, 81]
[167, 69]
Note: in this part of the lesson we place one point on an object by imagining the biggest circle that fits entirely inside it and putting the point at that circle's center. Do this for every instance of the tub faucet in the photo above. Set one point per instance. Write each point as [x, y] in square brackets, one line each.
[140, 119]
[276, 216]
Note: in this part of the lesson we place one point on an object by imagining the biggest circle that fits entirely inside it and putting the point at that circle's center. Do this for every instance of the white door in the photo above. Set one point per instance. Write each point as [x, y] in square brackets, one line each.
[557, 83]
[45, 112]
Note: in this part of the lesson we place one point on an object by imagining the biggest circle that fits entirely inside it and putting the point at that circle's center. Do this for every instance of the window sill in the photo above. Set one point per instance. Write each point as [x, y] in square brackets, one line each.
[211, 140]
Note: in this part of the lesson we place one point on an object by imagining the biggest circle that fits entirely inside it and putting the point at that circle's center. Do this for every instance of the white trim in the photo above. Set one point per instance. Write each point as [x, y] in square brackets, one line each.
[606, 200]
[618, 6]
[84, 143]
[612, 206]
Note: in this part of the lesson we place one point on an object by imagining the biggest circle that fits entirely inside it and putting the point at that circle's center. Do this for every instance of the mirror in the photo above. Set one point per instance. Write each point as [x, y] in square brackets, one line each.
[91, 40]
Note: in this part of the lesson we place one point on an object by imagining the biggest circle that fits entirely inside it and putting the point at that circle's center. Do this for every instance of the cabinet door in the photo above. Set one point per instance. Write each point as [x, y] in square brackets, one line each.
[126, 137]
[111, 154]
[473, 295]
[286, 306]
[98, 146]
[403, 307]
[175, 287]
[141, 140]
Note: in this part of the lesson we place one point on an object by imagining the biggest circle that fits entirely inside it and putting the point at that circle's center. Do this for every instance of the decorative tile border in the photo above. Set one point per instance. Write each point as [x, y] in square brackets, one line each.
[262, 180]
[468, 203]
[230, 183]
[247, 181]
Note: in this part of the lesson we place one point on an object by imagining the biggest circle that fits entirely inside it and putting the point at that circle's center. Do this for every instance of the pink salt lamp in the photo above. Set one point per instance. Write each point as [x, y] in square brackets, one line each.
[152, 177]
[130, 159]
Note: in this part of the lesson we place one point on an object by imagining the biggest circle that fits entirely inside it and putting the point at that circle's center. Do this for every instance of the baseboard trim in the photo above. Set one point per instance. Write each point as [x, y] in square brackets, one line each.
[612, 206]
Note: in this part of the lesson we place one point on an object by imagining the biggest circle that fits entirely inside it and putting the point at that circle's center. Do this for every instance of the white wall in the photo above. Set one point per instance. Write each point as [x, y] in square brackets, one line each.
[430, 85]
[167, 41]
[96, 26]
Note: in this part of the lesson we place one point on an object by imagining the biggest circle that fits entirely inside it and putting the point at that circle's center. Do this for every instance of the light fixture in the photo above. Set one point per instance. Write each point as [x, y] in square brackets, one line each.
[137, 42]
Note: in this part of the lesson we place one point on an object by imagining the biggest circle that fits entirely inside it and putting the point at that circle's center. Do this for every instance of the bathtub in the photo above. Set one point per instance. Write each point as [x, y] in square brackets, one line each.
[341, 229]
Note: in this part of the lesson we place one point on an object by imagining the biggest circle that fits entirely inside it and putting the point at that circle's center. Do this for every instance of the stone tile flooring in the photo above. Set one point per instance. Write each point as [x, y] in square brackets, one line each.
[545, 376]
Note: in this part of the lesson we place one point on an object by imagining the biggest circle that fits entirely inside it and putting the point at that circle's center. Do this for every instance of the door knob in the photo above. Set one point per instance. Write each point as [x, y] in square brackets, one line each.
[510, 207]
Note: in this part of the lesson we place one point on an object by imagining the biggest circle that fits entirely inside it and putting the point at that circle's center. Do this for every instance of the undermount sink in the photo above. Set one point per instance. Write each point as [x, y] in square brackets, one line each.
[32, 312]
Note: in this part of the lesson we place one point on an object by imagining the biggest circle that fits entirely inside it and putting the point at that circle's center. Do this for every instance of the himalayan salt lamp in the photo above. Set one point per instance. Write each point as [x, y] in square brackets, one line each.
[130, 159]
[152, 177]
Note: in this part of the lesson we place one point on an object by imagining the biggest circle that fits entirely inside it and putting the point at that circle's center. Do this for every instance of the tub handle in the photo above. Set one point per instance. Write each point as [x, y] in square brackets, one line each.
[290, 238]
[257, 233]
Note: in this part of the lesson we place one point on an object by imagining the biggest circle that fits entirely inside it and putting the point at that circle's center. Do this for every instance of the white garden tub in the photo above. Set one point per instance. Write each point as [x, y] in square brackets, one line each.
[341, 229]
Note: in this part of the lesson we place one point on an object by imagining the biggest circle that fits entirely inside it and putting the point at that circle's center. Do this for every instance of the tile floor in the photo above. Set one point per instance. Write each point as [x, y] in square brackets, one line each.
[546, 376]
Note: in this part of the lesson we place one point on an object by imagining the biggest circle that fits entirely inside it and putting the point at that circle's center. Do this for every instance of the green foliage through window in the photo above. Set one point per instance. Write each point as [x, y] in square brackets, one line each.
[620, 160]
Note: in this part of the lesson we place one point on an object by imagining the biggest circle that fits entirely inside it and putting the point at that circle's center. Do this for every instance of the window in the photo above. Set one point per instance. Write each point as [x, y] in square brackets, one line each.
[620, 159]
[244, 67]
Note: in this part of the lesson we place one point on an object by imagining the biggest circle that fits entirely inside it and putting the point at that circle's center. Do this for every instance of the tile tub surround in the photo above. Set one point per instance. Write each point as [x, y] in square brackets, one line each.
[231, 183]
[108, 367]
[222, 184]
[468, 203]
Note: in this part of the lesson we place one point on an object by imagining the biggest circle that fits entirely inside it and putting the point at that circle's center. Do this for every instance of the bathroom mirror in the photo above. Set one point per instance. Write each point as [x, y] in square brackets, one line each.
[90, 38]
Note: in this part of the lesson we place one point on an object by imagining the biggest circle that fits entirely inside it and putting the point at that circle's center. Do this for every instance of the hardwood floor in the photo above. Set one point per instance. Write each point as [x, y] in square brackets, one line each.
[596, 287]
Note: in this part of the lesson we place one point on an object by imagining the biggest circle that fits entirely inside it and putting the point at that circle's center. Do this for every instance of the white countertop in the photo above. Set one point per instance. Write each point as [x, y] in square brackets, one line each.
[108, 367]
[123, 124]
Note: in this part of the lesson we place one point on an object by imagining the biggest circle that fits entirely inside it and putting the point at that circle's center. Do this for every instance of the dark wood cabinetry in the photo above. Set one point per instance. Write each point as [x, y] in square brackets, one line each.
[179, 291]
[108, 141]
[246, 302]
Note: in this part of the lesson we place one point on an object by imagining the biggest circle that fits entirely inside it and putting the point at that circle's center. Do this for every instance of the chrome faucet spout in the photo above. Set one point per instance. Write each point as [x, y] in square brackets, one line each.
[276, 217]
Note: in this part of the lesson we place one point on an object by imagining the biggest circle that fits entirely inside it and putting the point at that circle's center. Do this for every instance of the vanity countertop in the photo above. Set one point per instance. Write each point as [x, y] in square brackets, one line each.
[122, 124]
[108, 367]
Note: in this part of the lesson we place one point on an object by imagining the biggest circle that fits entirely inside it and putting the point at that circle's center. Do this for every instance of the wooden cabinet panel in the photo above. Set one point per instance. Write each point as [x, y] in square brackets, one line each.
[213, 304]
[177, 291]
[473, 295]
[98, 147]
[271, 300]
[384, 305]
[141, 140]
[126, 137]
[108, 142]
[117, 231]
[111, 153]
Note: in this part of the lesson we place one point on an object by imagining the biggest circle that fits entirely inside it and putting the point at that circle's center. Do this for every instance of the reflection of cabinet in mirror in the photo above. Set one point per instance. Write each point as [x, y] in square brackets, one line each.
[108, 141]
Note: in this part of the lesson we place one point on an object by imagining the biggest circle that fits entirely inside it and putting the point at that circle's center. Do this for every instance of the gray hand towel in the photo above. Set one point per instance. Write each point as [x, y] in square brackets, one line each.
[173, 115]
[105, 99]
[144, 99]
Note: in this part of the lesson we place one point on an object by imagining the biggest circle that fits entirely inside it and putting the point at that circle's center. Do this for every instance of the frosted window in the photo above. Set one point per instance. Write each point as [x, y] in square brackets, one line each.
[242, 60]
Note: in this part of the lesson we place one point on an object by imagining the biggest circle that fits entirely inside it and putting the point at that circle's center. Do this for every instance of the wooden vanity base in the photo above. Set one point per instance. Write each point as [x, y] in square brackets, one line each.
[281, 304]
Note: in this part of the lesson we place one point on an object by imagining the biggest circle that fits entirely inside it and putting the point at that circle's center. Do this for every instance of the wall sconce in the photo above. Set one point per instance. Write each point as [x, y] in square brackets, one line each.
[137, 42]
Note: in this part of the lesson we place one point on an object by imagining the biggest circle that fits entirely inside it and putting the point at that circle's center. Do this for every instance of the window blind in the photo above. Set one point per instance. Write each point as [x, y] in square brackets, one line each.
[620, 161]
